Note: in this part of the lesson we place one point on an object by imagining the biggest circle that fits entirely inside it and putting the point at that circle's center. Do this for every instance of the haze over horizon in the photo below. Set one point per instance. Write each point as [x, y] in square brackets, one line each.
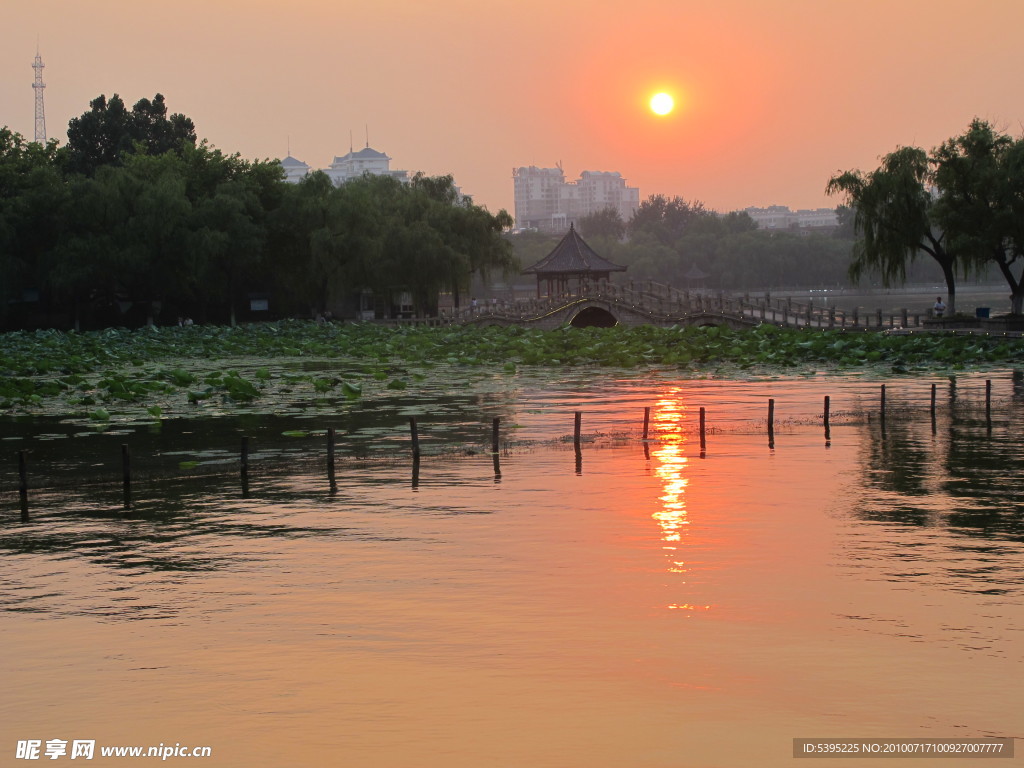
[772, 98]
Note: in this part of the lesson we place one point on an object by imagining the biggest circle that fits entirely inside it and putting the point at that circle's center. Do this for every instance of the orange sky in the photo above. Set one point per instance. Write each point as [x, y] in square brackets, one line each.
[774, 95]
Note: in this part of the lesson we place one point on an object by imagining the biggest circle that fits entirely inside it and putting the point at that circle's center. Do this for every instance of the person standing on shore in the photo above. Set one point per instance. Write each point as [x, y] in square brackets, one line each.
[939, 307]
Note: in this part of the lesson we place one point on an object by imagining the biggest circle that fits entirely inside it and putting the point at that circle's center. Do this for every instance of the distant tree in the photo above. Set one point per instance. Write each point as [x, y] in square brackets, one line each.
[531, 247]
[738, 222]
[441, 189]
[82, 269]
[32, 198]
[845, 215]
[604, 223]
[666, 218]
[154, 259]
[108, 132]
[380, 234]
[894, 217]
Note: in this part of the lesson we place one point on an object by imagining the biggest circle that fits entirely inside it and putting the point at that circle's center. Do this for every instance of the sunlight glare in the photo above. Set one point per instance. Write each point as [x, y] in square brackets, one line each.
[662, 103]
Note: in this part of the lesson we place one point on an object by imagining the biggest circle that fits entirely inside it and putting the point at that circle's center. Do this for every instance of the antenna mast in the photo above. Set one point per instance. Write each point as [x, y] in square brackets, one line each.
[38, 87]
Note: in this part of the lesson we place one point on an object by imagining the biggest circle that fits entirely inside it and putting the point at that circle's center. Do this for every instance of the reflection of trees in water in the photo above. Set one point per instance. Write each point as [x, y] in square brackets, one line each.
[136, 554]
[76, 520]
[961, 475]
[376, 427]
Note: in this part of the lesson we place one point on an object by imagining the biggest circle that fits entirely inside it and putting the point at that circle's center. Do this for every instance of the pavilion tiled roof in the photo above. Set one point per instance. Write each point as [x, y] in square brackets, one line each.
[572, 256]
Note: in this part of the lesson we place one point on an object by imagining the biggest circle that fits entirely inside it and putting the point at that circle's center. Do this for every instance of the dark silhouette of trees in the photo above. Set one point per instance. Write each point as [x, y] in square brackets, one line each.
[962, 204]
[980, 177]
[666, 219]
[108, 132]
[135, 212]
[604, 223]
[894, 216]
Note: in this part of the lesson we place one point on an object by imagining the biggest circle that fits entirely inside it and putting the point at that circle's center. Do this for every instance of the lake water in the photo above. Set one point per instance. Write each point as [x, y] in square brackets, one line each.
[616, 607]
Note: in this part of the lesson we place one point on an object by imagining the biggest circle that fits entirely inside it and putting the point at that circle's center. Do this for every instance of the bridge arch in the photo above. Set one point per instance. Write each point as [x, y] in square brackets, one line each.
[594, 317]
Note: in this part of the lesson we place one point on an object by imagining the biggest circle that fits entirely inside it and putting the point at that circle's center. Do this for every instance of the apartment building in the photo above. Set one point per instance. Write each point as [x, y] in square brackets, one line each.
[545, 201]
[781, 217]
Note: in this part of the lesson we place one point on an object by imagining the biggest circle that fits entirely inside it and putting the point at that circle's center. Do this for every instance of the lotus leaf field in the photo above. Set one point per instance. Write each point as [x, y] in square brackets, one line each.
[156, 373]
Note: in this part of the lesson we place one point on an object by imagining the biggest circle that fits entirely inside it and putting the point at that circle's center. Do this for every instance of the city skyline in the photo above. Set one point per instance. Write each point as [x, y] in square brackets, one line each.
[771, 98]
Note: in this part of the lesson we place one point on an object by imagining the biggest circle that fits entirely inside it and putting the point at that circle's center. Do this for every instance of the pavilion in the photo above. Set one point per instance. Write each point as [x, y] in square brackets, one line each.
[571, 261]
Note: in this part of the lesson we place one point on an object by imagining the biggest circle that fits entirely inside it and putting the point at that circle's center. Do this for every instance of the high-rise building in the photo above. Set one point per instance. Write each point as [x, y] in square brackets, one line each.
[545, 201]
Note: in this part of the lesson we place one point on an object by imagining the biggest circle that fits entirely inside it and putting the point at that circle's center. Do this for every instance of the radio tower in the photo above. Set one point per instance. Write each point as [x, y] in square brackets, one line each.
[38, 86]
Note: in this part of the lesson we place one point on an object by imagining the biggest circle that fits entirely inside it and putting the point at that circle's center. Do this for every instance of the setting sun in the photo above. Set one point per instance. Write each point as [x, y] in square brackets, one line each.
[662, 103]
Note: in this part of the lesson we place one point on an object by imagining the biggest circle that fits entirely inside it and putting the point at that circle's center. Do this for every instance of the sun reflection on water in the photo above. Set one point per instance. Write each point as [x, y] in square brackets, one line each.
[669, 417]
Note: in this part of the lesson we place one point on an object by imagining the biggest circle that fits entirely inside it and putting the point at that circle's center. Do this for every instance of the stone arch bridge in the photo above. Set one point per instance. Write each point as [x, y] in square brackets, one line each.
[655, 304]
[590, 312]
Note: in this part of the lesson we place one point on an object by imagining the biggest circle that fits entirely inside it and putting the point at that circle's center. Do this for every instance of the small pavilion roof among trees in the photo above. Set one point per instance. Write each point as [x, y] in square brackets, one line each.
[571, 260]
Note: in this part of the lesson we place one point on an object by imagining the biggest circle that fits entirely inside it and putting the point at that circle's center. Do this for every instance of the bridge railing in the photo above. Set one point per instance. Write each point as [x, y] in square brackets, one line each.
[668, 301]
[822, 316]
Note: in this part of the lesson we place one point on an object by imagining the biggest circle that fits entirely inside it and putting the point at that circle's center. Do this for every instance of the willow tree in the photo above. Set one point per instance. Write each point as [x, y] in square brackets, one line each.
[894, 218]
[981, 175]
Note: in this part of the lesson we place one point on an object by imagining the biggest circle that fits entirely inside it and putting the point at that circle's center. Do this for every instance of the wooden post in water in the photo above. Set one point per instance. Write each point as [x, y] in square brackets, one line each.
[414, 432]
[126, 475]
[647, 420]
[771, 423]
[988, 402]
[828, 431]
[23, 485]
[703, 432]
[495, 446]
[576, 443]
[245, 465]
[330, 459]
[934, 394]
[882, 403]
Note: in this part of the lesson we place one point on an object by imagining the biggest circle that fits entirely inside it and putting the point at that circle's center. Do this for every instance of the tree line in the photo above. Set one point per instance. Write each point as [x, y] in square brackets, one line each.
[682, 243]
[135, 211]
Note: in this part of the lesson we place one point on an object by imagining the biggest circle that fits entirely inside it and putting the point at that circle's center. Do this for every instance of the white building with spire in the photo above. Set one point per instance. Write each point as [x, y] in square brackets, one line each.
[294, 170]
[366, 160]
[346, 167]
